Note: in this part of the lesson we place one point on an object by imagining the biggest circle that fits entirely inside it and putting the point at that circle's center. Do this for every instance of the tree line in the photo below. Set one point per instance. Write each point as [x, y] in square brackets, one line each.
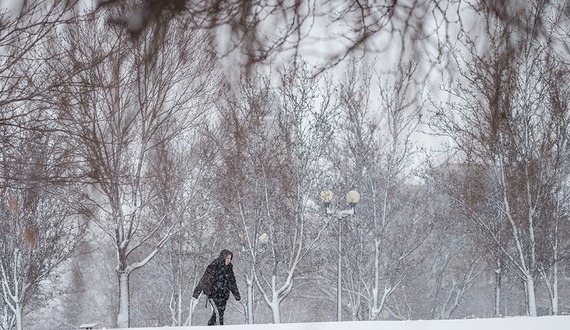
[129, 159]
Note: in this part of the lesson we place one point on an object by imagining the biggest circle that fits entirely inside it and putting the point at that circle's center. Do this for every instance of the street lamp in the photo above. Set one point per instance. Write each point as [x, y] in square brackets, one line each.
[352, 198]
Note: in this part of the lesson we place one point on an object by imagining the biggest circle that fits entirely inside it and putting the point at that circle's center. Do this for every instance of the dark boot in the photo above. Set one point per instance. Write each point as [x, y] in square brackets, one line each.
[212, 320]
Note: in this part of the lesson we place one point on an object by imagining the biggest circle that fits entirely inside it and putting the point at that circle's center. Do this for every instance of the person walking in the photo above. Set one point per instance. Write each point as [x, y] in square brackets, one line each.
[217, 283]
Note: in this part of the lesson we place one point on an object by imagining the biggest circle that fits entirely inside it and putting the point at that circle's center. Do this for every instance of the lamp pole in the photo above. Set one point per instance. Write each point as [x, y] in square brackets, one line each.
[352, 198]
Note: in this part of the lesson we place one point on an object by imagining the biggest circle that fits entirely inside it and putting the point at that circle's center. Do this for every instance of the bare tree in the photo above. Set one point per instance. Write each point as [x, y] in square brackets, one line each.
[40, 225]
[183, 173]
[458, 259]
[378, 150]
[123, 110]
[300, 139]
[502, 120]
[555, 250]
[259, 30]
[244, 145]
[41, 228]
[24, 28]
[273, 141]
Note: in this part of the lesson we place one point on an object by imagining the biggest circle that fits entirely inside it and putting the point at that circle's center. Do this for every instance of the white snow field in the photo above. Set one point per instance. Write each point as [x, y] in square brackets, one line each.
[507, 323]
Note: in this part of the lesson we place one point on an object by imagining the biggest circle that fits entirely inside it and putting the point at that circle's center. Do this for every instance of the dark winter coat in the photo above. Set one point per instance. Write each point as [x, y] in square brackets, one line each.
[218, 280]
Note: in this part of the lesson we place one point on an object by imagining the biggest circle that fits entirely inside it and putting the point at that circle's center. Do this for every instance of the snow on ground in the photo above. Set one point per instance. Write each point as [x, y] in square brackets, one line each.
[507, 323]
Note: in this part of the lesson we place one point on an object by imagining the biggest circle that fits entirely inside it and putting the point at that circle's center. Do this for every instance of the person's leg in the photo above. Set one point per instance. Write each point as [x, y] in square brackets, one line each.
[212, 320]
[221, 309]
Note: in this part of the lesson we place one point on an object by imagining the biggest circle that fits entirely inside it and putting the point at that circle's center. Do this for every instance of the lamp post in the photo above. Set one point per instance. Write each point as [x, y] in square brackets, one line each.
[352, 198]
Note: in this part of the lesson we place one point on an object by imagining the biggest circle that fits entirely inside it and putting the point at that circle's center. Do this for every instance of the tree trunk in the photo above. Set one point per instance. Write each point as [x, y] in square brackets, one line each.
[18, 315]
[531, 298]
[554, 298]
[555, 289]
[250, 298]
[275, 312]
[339, 275]
[123, 318]
[375, 310]
[275, 303]
[498, 277]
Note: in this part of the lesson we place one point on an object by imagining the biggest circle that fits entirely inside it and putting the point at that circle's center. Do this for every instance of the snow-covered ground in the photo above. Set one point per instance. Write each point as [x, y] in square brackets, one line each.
[507, 323]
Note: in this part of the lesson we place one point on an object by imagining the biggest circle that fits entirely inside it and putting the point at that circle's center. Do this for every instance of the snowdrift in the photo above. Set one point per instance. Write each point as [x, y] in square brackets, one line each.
[507, 323]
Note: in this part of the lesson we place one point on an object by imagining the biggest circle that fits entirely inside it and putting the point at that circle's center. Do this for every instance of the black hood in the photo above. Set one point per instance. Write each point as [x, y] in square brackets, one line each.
[224, 254]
